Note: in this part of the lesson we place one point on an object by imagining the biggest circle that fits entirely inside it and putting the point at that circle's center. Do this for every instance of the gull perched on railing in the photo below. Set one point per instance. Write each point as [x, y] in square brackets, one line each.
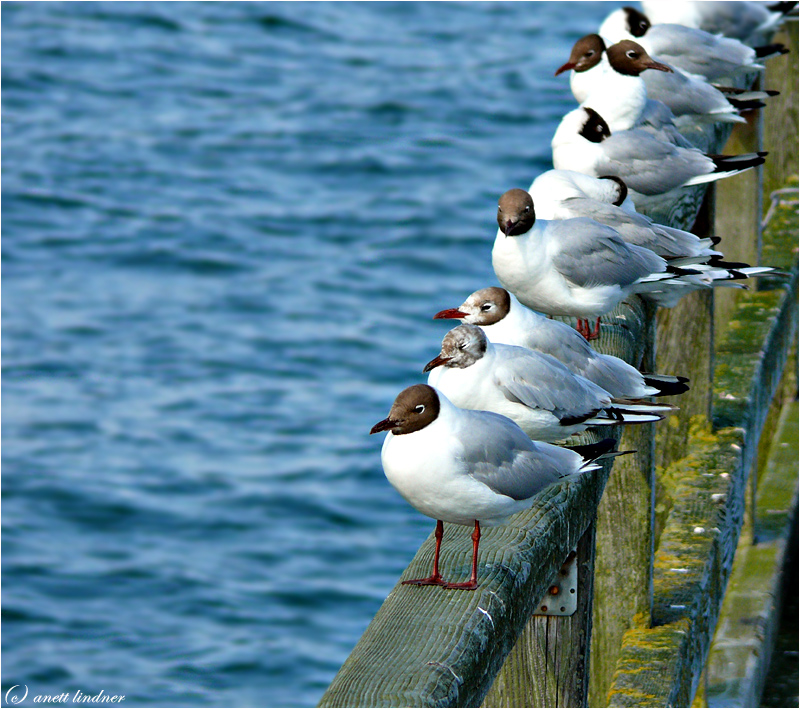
[686, 98]
[584, 269]
[505, 321]
[651, 168]
[469, 467]
[536, 391]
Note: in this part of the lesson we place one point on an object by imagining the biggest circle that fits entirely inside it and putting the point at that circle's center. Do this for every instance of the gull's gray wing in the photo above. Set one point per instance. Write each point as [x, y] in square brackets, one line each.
[638, 229]
[539, 381]
[571, 349]
[648, 165]
[698, 52]
[565, 344]
[632, 227]
[498, 454]
[592, 254]
[685, 96]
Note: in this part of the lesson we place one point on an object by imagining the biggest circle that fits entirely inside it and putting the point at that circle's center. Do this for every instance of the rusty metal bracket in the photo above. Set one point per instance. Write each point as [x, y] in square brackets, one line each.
[562, 596]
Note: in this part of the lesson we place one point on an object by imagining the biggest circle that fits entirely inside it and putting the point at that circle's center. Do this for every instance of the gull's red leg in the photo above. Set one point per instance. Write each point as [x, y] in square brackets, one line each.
[434, 579]
[582, 327]
[594, 334]
[472, 584]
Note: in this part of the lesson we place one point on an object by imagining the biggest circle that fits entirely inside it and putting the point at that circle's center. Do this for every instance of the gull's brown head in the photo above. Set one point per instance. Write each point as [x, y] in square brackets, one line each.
[413, 409]
[515, 213]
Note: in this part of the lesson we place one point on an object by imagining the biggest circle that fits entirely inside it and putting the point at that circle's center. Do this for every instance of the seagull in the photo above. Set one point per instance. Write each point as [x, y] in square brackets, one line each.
[581, 268]
[469, 467]
[688, 98]
[566, 194]
[750, 22]
[536, 391]
[504, 320]
[691, 50]
[651, 168]
[575, 267]
[554, 185]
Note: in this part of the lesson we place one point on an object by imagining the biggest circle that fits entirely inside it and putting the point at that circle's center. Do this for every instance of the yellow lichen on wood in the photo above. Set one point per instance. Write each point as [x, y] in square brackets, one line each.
[650, 666]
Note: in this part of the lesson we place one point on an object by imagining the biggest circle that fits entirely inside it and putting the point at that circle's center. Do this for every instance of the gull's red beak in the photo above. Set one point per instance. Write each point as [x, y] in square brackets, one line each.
[436, 362]
[659, 66]
[452, 313]
[565, 67]
[384, 425]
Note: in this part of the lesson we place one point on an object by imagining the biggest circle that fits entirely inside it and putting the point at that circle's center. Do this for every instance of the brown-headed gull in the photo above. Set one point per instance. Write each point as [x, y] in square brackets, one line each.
[581, 268]
[620, 95]
[469, 467]
[506, 321]
[650, 167]
[694, 51]
[687, 98]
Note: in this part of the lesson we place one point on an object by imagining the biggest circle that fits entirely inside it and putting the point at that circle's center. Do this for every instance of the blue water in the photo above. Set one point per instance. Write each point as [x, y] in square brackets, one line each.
[226, 227]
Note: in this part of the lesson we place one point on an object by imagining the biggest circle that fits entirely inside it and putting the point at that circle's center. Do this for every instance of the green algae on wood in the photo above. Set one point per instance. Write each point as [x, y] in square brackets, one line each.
[780, 233]
[744, 638]
[773, 505]
[751, 357]
[706, 516]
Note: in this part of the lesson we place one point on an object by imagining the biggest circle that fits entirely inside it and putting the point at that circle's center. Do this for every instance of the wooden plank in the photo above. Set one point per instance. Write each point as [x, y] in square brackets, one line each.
[742, 647]
[541, 655]
[623, 580]
[660, 666]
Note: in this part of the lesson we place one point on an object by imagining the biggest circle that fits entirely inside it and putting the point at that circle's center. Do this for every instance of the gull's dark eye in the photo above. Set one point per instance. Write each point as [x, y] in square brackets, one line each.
[590, 53]
[527, 208]
[486, 306]
[419, 408]
[631, 54]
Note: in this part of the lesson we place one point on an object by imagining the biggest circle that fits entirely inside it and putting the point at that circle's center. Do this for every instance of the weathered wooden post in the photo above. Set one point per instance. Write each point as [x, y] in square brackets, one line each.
[548, 664]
